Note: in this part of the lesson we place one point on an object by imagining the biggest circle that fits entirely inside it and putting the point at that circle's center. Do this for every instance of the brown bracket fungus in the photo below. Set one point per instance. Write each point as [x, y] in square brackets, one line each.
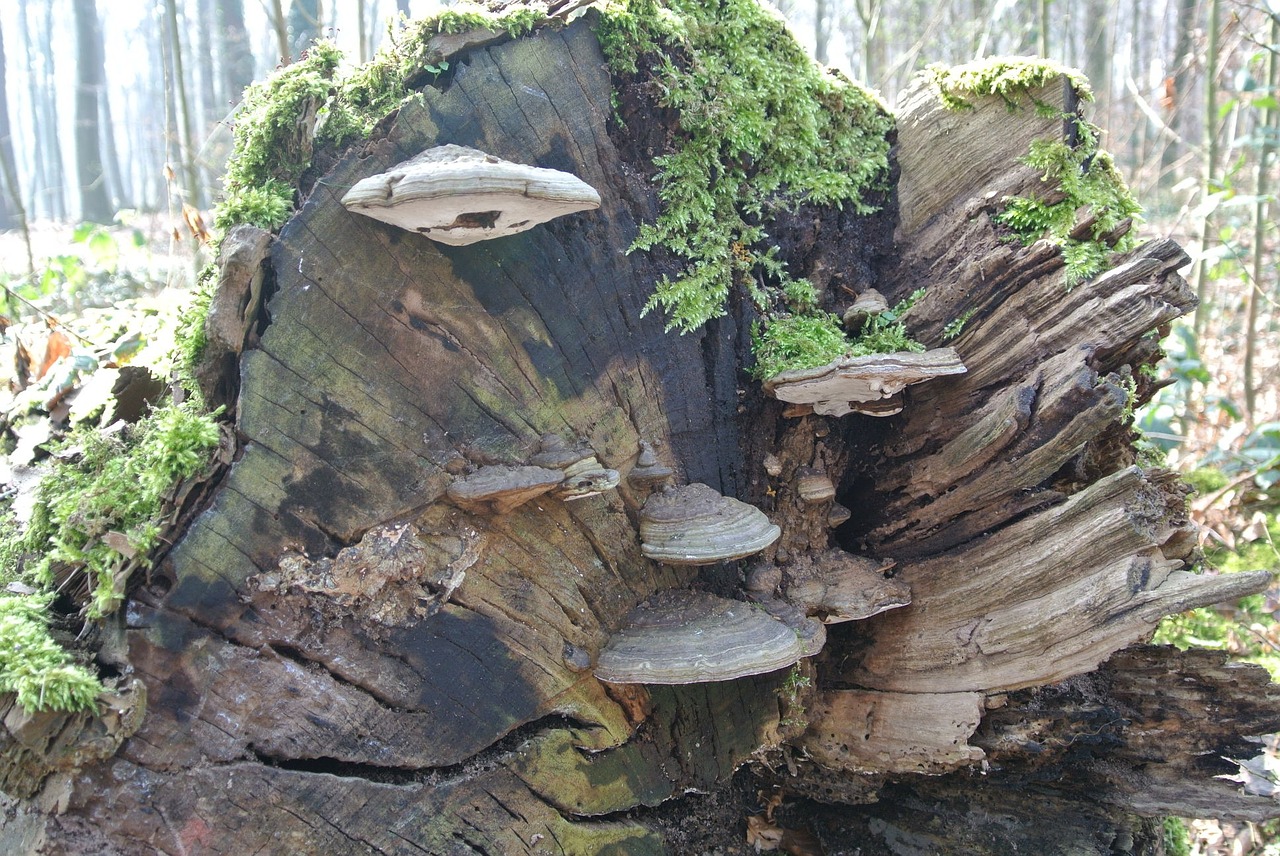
[648, 470]
[458, 196]
[582, 474]
[836, 586]
[838, 387]
[696, 525]
[501, 488]
[864, 306]
[814, 486]
[688, 637]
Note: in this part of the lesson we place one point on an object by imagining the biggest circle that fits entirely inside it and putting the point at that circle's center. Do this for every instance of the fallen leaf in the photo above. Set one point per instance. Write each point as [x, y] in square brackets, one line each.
[761, 834]
[56, 347]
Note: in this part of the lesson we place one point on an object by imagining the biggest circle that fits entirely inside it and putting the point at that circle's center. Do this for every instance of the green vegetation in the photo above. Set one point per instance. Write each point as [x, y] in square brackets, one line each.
[1177, 841]
[1008, 78]
[956, 326]
[806, 341]
[1085, 177]
[1249, 629]
[761, 127]
[99, 510]
[102, 503]
[41, 672]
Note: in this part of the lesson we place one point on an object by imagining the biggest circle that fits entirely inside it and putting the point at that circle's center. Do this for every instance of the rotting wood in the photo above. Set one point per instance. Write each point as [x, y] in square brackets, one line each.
[340, 654]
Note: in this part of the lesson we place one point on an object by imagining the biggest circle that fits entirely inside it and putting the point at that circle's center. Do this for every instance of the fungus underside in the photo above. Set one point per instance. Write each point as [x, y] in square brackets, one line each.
[1084, 176]
[762, 127]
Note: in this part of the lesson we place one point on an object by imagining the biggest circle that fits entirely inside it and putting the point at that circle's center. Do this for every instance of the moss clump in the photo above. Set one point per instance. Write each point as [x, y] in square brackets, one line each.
[760, 126]
[273, 139]
[102, 504]
[1008, 78]
[1086, 179]
[805, 341]
[42, 673]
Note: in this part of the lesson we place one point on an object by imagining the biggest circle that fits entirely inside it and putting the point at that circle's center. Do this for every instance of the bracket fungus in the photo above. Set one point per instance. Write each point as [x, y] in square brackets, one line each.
[501, 488]
[648, 470]
[837, 586]
[458, 195]
[688, 637]
[814, 486]
[838, 387]
[697, 525]
[864, 306]
[582, 474]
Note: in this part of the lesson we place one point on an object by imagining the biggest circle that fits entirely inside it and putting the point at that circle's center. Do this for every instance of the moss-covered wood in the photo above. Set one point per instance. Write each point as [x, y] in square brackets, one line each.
[338, 658]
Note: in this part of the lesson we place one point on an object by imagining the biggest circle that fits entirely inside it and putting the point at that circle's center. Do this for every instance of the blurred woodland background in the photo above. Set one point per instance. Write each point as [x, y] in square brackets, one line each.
[115, 124]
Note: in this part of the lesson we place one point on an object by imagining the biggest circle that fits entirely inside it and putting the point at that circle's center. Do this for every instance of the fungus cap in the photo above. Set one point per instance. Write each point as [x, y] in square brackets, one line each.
[501, 488]
[458, 195]
[688, 637]
[696, 525]
[837, 388]
[648, 469]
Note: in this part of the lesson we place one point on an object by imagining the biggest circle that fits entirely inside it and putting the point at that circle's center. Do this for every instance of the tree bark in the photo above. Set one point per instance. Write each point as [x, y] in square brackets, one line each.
[94, 203]
[235, 50]
[337, 657]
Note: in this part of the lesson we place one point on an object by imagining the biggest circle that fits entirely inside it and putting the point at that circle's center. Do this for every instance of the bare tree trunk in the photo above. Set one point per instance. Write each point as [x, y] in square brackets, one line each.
[1269, 127]
[56, 188]
[13, 213]
[306, 24]
[280, 25]
[94, 203]
[178, 84]
[235, 50]
[1209, 167]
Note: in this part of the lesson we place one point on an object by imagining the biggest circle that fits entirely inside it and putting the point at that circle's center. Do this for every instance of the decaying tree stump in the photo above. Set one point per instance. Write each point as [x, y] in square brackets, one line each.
[341, 654]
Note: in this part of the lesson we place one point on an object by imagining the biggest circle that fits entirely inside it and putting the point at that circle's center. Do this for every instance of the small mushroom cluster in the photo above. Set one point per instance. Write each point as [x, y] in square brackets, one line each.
[833, 587]
[458, 195]
[566, 472]
[687, 637]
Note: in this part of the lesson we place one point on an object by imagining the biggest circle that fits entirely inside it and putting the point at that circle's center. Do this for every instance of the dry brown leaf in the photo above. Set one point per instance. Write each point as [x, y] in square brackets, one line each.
[761, 834]
[195, 223]
[119, 542]
[56, 347]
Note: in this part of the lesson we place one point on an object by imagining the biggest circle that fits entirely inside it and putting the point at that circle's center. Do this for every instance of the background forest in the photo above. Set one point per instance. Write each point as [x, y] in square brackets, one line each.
[115, 125]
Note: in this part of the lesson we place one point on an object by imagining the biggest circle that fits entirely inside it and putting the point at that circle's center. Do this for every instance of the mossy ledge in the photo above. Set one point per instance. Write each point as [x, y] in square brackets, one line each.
[101, 512]
[1083, 175]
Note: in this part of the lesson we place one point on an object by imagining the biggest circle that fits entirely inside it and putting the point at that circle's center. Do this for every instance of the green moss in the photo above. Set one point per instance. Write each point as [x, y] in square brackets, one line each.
[761, 127]
[1084, 178]
[273, 139]
[1177, 841]
[190, 336]
[805, 341]
[1008, 78]
[102, 503]
[956, 326]
[308, 103]
[42, 674]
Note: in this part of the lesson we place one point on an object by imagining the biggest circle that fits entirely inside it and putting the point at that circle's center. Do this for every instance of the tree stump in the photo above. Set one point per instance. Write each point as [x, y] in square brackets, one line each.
[341, 655]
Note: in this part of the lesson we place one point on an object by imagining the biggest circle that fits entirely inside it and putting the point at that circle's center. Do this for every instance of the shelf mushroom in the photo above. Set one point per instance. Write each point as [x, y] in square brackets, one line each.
[458, 195]
[689, 637]
[583, 474]
[499, 489]
[840, 386]
[697, 525]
